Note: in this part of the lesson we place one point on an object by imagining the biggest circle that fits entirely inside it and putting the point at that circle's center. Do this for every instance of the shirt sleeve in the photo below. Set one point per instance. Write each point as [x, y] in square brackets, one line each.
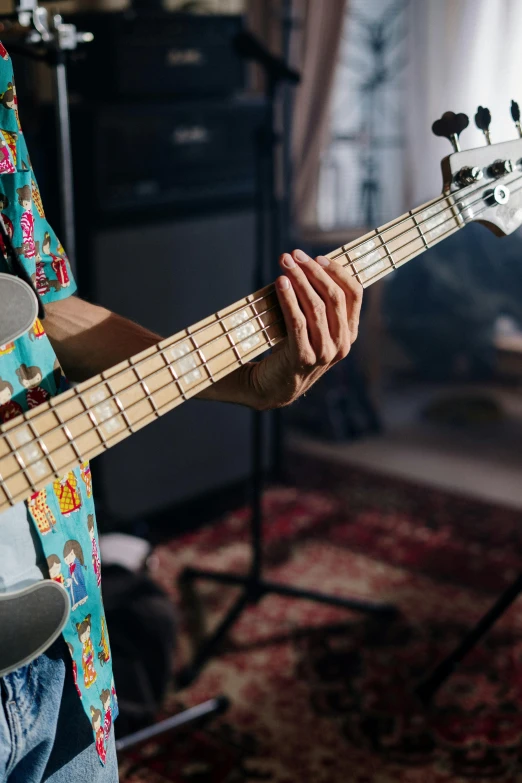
[35, 242]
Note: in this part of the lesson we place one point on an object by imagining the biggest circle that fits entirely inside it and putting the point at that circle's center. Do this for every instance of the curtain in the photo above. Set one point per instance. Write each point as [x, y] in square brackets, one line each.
[462, 53]
[318, 42]
[314, 52]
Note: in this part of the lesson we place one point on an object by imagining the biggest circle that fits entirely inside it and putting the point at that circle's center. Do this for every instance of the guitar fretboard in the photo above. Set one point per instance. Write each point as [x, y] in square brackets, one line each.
[43, 444]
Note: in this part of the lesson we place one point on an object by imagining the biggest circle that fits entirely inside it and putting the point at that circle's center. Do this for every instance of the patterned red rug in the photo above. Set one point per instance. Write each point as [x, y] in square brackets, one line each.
[323, 696]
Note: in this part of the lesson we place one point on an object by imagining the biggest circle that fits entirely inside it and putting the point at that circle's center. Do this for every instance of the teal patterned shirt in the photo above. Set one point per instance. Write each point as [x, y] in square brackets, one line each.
[62, 513]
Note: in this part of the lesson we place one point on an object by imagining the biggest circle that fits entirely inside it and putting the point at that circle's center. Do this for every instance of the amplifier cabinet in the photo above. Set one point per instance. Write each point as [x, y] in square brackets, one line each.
[180, 154]
[168, 275]
[144, 56]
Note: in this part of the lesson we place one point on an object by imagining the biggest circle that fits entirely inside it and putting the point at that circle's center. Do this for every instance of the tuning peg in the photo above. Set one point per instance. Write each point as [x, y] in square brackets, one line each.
[515, 113]
[451, 126]
[483, 121]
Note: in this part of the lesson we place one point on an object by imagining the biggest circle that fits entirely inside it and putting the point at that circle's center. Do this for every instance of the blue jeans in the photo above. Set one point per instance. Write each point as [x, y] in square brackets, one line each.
[45, 735]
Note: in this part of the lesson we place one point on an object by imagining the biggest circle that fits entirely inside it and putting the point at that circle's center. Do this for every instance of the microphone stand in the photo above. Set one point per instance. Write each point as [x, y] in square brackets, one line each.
[48, 39]
[254, 585]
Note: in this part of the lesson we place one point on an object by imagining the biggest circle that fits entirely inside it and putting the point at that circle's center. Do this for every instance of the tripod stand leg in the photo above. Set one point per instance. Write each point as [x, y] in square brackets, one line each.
[429, 687]
[353, 604]
[189, 717]
[187, 675]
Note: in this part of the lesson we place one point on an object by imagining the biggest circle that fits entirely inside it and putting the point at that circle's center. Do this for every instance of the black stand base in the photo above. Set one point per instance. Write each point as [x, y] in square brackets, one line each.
[254, 589]
[429, 687]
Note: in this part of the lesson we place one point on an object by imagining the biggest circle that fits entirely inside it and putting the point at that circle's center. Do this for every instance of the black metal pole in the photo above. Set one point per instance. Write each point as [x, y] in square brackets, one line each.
[66, 180]
[429, 687]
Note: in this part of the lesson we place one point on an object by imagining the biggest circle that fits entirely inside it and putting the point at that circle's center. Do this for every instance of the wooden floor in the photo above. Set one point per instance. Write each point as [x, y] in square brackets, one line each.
[482, 461]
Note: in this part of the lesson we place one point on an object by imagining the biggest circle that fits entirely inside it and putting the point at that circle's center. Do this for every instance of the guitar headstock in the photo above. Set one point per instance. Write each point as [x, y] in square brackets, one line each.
[486, 182]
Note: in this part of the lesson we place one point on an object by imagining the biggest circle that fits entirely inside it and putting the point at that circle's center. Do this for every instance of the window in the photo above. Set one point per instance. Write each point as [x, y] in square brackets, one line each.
[362, 173]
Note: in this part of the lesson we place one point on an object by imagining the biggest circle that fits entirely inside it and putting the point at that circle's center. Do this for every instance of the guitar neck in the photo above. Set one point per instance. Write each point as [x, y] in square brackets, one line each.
[43, 444]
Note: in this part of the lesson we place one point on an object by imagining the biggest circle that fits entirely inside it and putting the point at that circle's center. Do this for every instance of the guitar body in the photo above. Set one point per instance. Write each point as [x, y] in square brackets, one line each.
[18, 308]
[31, 619]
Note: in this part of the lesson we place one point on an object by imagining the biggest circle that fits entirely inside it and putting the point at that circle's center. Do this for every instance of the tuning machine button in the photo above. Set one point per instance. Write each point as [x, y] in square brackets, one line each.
[515, 113]
[468, 175]
[483, 121]
[451, 126]
[501, 167]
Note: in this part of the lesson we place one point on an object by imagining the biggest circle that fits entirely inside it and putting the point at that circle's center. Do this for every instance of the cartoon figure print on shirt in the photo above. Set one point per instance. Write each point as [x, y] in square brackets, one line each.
[83, 630]
[30, 378]
[9, 100]
[6, 157]
[37, 332]
[95, 554]
[41, 513]
[104, 655]
[9, 409]
[8, 223]
[96, 719]
[25, 200]
[106, 700]
[85, 472]
[74, 669]
[42, 282]
[54, 565]
[75, 583]
[68, 494]
[59, 262]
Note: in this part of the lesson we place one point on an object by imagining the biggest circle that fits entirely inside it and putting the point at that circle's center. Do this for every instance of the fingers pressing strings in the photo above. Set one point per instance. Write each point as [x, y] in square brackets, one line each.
[341, 278]
[330, 299]
[295, 322]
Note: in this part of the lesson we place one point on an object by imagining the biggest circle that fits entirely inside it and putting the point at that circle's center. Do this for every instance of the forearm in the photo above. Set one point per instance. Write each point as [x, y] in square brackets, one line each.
[88, 339]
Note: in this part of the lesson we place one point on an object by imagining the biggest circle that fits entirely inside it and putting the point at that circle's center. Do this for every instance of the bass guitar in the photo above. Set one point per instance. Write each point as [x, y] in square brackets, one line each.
[482, 184]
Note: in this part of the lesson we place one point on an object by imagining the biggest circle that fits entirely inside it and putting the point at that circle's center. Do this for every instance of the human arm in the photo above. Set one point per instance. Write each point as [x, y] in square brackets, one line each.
[321, 305]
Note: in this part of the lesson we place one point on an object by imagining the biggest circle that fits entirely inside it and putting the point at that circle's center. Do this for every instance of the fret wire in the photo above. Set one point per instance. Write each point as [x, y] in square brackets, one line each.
[92, 417]
[67, 431]
[201, 357]
[5, 488]
[372, 250]
[121, 406]
[231, 340]
[420, 231]
[455, 210]
[174, 374]
[235, 349]
[148, 395]
[387, 251]
[263, 329]
[378, 275]
[193, 392]
[18, 457]
[44, 449]
[374, 263]
[398, 222]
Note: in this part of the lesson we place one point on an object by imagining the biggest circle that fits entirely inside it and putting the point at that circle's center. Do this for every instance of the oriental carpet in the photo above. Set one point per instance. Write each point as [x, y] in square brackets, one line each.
[320, 695]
